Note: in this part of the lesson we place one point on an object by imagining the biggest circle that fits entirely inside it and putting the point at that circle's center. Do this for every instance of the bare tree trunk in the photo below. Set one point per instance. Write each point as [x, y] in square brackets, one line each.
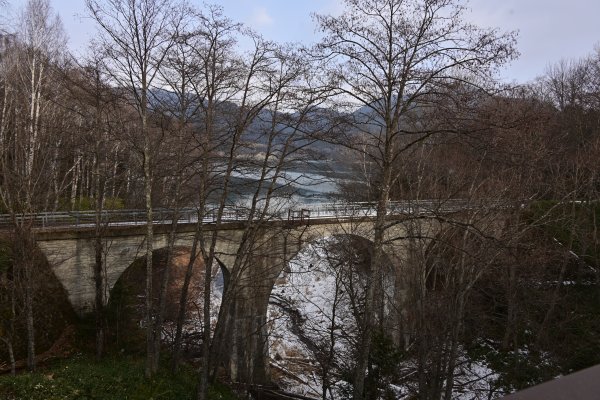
[11, 328]
[208, 257]
[453, 352]
[75, 181]
[332, 341]
[29, 316]
[198, 241]
[206, 334]
[11, 356]
[374, 273]
[82, 181]
[29, 310]
[162, 300]
[99, 296]
[24, 253]
[114, 173]
[98, 265]
[149, 250]
[177, 344]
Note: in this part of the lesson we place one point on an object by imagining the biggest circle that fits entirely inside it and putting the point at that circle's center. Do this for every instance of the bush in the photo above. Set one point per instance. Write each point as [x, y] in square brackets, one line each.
[570, 222]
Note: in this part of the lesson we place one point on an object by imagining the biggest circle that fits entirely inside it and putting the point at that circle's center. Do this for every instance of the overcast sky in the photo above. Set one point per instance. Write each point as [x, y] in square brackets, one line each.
[549, 30]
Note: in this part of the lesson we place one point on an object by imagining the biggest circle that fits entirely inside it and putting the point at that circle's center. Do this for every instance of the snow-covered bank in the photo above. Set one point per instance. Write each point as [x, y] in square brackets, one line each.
[313, 317]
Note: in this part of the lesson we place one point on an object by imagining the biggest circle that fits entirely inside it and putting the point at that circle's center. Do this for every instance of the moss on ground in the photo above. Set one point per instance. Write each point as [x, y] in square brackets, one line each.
[82, 377]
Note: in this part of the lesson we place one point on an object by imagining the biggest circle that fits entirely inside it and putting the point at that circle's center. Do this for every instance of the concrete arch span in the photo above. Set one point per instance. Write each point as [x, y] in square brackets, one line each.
[125, 310]
[71, 255]
[70, 252]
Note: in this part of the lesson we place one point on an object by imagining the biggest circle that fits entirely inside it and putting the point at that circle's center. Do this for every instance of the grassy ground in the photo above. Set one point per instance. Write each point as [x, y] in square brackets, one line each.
[83, 378]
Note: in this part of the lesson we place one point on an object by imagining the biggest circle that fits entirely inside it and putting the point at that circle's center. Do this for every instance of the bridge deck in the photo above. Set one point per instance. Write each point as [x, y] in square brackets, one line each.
[117, 218]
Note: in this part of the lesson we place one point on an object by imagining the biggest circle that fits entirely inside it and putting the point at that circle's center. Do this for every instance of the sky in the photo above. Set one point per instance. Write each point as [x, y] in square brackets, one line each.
[549, 30]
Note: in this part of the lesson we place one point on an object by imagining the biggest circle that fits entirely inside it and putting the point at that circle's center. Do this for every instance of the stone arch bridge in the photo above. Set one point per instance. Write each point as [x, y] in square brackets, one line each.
[69, 246]
[69, 249]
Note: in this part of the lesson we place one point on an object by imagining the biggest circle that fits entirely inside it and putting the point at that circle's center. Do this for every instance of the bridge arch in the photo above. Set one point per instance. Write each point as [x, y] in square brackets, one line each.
[315, 308]
[133, 278]
[126, 303]
[70, 251]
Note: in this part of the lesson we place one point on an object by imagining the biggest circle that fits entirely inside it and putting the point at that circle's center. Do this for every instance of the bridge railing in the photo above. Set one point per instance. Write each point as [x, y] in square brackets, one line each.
[120, 217]
[369, 209]
[190, 215]
[88, 218]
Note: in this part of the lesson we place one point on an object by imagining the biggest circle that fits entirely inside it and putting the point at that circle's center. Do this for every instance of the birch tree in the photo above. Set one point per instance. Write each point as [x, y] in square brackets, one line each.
[24, 135]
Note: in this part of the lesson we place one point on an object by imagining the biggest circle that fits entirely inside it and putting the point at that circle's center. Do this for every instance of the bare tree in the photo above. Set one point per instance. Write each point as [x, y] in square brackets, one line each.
[96, 108]
[180, 112]
[136, 36]
[277, 109]
[207, 77]
[27, 65]
[241, 104]
[390, 57]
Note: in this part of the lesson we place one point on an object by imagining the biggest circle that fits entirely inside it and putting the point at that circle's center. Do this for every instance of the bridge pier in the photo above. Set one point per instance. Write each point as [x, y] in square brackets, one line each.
[243, 329]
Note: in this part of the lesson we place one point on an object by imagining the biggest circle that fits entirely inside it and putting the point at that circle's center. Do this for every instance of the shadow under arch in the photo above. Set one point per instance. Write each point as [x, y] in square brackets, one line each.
[222, 280]
[53, 312]
[126, 302]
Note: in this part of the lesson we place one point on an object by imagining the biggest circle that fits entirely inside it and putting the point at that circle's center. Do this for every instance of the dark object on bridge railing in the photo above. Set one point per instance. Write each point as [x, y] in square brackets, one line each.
[302, 215]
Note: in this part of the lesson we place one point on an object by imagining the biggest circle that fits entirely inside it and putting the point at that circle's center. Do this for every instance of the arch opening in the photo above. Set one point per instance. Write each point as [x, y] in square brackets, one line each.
[316, 310]
[126, 305]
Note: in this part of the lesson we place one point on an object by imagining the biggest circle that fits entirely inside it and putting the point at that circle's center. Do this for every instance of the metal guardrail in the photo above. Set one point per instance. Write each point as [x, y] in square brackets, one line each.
[233, 214]
[114, 217]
